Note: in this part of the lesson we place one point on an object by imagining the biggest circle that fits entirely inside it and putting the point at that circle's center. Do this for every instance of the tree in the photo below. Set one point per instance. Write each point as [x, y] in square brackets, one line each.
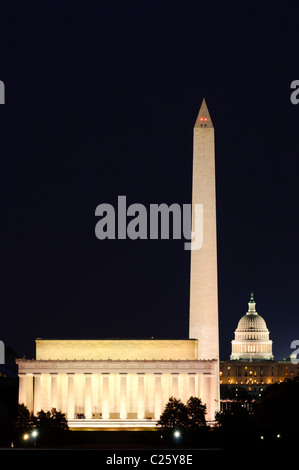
[51, 421]
[235, 426]
[59, 420]
[49, 425]
[174, 416]
[25, 419]
[196, 413]
[234, 420]
[277, 412]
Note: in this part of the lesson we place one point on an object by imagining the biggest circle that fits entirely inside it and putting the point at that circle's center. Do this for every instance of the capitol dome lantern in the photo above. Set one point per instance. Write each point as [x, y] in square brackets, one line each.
[251, 337]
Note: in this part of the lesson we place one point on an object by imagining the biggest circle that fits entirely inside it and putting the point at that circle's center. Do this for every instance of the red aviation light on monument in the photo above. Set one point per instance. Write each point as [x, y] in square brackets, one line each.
[203, 119]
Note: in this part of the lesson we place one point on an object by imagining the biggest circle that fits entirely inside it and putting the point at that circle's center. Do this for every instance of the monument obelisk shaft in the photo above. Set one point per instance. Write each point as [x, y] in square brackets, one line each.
[204, 283]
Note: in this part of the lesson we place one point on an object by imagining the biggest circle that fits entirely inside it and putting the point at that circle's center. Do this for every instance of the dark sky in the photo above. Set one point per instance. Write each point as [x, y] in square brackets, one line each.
[101, 99]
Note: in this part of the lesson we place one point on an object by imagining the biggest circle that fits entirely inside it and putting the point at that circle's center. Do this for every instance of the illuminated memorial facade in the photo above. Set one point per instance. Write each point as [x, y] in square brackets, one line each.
[126, 383]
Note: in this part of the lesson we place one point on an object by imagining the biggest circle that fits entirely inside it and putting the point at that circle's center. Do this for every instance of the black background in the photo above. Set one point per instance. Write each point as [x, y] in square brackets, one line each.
[101, 100]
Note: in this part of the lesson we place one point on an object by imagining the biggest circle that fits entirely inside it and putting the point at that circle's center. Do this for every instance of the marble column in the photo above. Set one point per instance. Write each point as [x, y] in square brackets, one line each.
[26, 390]
[213, 400]
[209, 396]
[105, 397]
[71, 396]
[140, 397]
[54, 390]
[123, 397]
[23, 389]
[87, 397]
[45, 392]
[158, 396]
[175, 385]
[37, 393]
[192, 385]
[29, 392]
[201, 387]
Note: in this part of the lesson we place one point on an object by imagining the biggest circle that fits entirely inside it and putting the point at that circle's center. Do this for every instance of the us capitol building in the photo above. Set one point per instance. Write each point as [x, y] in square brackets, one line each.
[251, 365]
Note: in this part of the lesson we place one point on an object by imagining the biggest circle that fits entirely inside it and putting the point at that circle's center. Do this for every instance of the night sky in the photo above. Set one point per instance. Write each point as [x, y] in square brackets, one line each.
[101, 100]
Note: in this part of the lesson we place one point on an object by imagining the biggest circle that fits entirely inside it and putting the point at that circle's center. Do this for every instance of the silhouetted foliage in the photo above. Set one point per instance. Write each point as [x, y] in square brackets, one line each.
[189, 417]
[25, 419]
[49, 425]
[234, 419]
[278, 409]
[51, 421]
[174, 416]
[235, 425]
[196, 413]
[275, 417]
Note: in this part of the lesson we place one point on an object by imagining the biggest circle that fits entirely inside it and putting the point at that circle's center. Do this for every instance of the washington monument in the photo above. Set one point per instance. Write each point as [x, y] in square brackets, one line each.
[203, 319]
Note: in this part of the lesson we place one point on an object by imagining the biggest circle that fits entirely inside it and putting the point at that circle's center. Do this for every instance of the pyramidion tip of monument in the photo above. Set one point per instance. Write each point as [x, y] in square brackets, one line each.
[203, 119]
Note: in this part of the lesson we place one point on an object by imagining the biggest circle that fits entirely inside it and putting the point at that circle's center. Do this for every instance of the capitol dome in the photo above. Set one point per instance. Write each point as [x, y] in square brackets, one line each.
[251, 337]
[252, 322]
